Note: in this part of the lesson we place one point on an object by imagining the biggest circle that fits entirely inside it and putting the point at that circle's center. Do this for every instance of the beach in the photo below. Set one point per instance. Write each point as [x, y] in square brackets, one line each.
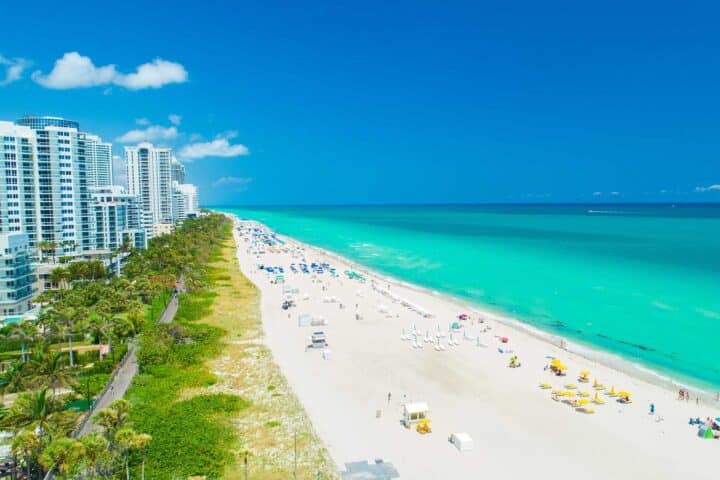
[355, 395]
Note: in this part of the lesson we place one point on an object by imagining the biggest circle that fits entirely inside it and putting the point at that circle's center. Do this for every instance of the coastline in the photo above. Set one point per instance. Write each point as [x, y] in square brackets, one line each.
[584, 350]
[469, 387]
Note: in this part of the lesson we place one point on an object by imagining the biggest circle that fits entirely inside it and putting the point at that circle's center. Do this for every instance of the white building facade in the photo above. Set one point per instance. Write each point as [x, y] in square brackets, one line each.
[149, 174]
[185, 201]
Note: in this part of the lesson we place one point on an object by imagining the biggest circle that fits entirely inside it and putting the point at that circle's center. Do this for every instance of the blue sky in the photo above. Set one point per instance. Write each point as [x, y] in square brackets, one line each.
[374, 102]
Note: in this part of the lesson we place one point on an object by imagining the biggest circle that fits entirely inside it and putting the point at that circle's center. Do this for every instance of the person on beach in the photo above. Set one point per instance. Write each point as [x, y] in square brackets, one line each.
[389, 397]
[652, 409]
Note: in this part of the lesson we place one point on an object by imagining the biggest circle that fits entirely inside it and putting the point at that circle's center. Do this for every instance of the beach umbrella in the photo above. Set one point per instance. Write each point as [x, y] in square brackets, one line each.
[584, 373]
[583, 402]
[624, 394]
[705, 432]
[569, 394]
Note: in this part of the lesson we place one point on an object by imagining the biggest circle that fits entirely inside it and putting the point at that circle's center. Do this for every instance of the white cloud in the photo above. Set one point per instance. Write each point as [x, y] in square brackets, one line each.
[232, 181]
[220, 147]
[142, 121]
[614, 194]
[76, 71]
[597, 194]
[709, 188]
[153, 133]
[175, 119]
[14, 68]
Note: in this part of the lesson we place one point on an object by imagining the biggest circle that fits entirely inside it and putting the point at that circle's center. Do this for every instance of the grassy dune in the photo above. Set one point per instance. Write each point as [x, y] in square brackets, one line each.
[219, 393]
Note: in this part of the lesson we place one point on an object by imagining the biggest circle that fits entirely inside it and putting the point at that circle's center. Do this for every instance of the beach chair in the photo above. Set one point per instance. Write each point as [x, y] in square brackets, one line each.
[545, 386]
[571, 386]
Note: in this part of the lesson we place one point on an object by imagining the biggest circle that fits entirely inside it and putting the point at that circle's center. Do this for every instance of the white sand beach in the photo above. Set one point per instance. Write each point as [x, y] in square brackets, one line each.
[518, 431]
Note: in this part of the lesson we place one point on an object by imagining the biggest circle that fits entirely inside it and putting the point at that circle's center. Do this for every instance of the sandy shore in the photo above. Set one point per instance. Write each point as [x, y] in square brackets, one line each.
[517, 429]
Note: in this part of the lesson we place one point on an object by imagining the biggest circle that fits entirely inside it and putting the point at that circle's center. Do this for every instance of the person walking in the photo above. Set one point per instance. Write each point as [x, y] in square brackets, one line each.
[652, 409]
[389, 397]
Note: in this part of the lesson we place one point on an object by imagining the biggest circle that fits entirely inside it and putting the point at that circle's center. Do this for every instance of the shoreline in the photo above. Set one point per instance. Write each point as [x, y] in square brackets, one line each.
[346, 388]
[584, 350]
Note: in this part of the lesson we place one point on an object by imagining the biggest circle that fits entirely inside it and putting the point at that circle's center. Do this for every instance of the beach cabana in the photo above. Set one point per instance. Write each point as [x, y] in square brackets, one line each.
[462, 441]
[584, 376]
[414, 411]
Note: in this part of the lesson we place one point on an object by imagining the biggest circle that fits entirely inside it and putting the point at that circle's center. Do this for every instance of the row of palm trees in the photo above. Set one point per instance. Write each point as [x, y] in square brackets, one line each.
[89, 305]
[41, 439]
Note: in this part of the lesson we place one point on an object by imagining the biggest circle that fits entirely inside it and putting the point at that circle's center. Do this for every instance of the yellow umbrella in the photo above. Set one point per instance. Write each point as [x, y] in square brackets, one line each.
[557, 364]
[612, 391]
[545, 386]
[569, 394]
[583, 401]
[624, 394]
[584, 373]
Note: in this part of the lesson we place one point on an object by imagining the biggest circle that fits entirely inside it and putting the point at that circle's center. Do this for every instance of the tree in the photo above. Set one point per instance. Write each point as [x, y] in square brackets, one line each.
[125, 438]
[60, 277]
[24, 446]
[25, 332]
[114, 417]
[39, 412]
[141, 442]
[48, 370]
[65, 455]
[96, 452]
[45, 247]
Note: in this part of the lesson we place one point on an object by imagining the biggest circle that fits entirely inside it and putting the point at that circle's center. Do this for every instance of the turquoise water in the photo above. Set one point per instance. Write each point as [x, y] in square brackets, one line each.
[642, 281]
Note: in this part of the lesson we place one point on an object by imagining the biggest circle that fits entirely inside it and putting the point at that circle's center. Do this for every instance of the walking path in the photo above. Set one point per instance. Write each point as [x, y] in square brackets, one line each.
[128, 368]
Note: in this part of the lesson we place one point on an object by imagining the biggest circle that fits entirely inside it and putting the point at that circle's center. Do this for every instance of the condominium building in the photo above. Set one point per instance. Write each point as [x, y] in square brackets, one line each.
[185, 201]
[99, 165]
[149, 175]
[18, 207]
[178, 171]
[65, 164]
[116, 218]
[16, 274]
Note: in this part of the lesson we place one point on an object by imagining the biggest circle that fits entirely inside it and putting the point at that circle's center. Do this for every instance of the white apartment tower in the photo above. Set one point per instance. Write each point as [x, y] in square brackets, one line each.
[149, 174]
[185, 201]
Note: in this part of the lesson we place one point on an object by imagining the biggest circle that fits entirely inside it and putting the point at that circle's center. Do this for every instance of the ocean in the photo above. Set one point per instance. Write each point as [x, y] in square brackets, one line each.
[640, 280]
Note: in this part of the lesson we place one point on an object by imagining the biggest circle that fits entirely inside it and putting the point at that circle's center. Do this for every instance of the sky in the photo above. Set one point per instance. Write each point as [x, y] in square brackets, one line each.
[387, 102]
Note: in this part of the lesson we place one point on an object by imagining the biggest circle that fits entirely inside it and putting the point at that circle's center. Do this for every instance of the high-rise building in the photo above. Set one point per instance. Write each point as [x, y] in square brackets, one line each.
[178, 171]
[117, 218]
[150, 178]
[18, 207]
[16, 274]
[99, 165]
[185, 201]
[57, 173]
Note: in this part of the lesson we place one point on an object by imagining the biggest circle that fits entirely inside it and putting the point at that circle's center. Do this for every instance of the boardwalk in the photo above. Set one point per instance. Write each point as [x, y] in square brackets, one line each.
[126, 371]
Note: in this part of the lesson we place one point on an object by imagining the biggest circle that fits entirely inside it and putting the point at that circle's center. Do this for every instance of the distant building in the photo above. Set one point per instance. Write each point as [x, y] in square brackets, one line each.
[185, 201]
[117, 217]
[162, 229]
[149, 177]
[16, 274]
[99, 166]
[178, 171]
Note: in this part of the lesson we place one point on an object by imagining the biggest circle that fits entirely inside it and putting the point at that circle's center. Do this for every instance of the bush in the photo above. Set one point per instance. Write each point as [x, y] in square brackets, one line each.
[154, 346]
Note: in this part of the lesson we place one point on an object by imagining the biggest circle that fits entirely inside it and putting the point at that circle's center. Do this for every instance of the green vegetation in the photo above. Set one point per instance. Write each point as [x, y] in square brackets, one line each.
[192, 433]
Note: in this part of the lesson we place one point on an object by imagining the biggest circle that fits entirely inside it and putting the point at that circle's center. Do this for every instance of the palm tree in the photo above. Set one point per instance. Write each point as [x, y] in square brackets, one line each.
[114, 417]
[65, 455]
[96, 452]
[65, 322]
[60, 277]
[39, 412]
[141, 442]
[15, 377]
[47, 246]
[24, 445]
[25, 332]
[125, 437]
[48, 370]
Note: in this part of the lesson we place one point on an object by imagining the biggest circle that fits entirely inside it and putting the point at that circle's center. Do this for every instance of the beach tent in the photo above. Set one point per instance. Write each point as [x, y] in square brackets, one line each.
[462, 441]
[705, 432]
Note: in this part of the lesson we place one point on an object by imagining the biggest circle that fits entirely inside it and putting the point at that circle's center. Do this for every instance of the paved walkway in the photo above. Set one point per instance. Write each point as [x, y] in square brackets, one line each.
[128, 369]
